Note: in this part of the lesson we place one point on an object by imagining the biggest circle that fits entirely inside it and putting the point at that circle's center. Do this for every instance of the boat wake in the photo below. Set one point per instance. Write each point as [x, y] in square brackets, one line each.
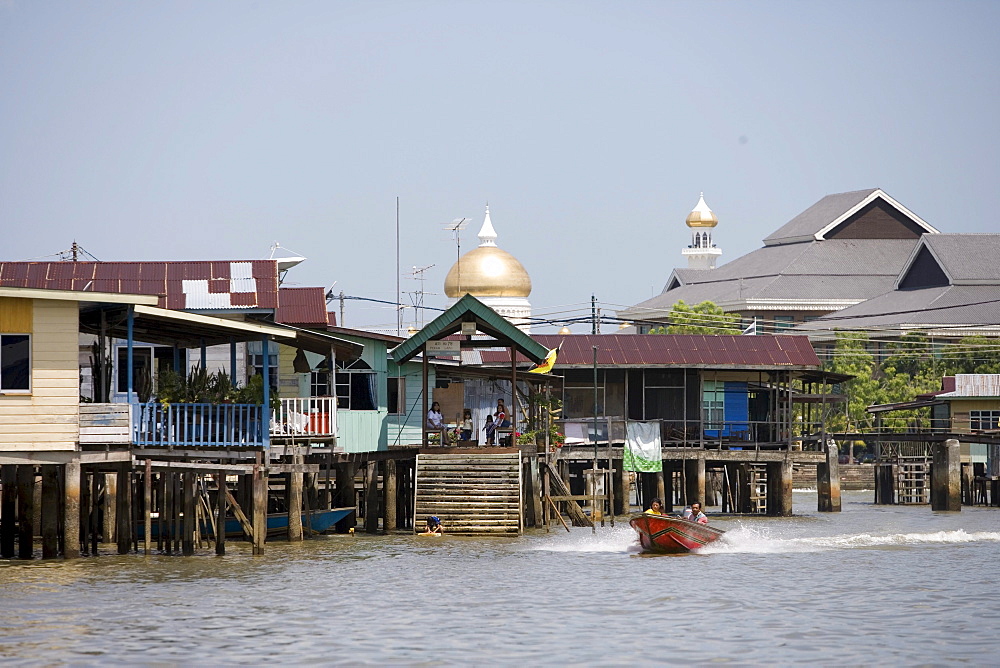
[757, 540]
[619, 539]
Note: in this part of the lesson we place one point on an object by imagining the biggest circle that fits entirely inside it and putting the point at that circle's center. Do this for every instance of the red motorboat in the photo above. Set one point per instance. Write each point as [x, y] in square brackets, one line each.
[669, 534]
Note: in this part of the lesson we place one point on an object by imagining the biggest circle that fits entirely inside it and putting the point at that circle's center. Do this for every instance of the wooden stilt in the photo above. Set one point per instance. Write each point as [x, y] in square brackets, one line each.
[147, 506]
[946, 481]
[71, 513]
[161, 510]
[294, 481]
[694, 478]
[190, 519]
[389, 503]
[220, 522]
[346, 496]
[828, 482]
[123, 510]
[50, 511]
[167, 513]
[8, 511]
[94, 511]
[371, 497]
[25, 511]
[259, 506]
[109, 533]
[620, 484]
[177, 511]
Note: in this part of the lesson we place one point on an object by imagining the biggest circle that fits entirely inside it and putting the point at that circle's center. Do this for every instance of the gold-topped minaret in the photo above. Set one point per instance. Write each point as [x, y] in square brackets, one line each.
[702, 253]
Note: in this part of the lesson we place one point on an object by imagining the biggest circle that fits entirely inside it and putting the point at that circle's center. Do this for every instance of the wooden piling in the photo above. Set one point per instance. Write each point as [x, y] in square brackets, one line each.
[779, 488]
[220, 509]
[259, 506]
[620, 484]
[50, 511]
[94, 511]
[371, 497]
[946, 471]
[25, 511]
[147, 506]
[123, 510]
[71, 509]
[828, 482]
[389, 484]
[167, 512]
[189, 478]
[694, 479]
[346, 497]
[8, 511]
[109, 534]
[294, 481]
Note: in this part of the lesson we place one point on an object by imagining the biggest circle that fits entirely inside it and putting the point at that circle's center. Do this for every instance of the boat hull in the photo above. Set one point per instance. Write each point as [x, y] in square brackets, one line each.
[665, 534]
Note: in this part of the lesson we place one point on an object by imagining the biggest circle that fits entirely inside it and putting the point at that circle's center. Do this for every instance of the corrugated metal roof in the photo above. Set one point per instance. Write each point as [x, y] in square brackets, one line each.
[974, 385]
[673, 349]
[200, 284]
[301, 306]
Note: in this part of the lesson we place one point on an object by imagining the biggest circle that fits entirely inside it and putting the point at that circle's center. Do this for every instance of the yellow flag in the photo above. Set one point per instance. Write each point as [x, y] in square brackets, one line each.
[548, 363]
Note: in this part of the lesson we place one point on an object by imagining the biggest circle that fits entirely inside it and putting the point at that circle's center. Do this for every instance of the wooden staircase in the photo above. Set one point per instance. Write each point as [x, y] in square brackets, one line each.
[472, 493]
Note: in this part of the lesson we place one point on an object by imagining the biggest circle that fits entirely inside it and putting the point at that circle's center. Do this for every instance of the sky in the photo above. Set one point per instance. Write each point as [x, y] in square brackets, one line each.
[212, 130]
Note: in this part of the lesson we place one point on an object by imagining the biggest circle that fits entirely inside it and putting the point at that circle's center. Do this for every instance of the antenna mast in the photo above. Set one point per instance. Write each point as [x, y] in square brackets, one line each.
[418, 295]
[457, 226]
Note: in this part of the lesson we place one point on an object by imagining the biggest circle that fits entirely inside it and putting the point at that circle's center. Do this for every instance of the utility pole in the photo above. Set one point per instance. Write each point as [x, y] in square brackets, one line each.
[593, 314]
[341, 308]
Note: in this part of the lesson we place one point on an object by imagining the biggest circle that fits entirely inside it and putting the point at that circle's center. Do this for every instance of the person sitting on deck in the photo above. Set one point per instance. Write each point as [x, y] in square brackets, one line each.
[466, 434]
[694, 514]
[655, 508]
[434, 526]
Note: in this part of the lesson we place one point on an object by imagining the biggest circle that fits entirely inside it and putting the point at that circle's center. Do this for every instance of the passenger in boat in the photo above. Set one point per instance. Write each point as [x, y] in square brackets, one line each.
[695, 514]
[655, 508]
[434, 526]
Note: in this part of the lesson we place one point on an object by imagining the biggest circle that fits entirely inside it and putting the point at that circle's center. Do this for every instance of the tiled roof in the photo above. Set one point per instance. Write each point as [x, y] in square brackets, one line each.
[819, 215]
[193, 285]
[839, 269]
[673, 349]
[948, 306]
[301, 306]
[967, 258]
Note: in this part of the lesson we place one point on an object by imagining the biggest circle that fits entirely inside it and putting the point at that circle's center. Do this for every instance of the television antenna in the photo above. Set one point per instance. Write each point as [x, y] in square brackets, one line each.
[417, 296]
[457, 226]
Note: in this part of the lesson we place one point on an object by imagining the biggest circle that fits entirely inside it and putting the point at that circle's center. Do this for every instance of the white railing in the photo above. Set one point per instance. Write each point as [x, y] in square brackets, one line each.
[305, 416]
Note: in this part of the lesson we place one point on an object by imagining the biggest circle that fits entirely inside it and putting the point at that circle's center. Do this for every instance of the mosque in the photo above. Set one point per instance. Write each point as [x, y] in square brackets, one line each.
[494, 277]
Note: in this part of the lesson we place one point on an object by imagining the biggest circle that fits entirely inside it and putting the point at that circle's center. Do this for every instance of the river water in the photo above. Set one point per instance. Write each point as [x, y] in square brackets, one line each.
[872, 584]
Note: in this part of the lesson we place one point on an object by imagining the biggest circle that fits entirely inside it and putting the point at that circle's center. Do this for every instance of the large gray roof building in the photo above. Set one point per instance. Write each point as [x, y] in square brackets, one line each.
[845, 249]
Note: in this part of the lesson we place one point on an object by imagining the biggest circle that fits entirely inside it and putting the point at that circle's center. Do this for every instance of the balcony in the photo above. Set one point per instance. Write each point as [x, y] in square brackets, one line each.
[206, 425]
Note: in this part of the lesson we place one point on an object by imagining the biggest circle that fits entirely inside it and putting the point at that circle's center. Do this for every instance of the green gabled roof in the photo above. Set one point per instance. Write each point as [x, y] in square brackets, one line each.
[488, 321]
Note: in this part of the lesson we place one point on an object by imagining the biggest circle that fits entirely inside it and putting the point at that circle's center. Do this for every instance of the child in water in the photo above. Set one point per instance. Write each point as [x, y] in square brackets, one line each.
[433, 526]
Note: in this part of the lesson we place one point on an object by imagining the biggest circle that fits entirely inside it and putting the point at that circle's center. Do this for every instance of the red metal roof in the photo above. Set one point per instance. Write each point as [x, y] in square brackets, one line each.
[672, 349]
[193, 285]
[301, 306]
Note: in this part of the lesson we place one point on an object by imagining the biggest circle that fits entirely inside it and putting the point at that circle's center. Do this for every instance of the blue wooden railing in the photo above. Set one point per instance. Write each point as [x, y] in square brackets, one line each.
[199, 425]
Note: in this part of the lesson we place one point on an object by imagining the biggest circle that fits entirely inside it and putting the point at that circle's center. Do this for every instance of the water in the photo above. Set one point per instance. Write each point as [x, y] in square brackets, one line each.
[873, 584]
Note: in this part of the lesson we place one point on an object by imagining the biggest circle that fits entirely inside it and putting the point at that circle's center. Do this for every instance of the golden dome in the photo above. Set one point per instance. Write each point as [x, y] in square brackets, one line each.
[565, 330]
[701, 215]
[487, 271]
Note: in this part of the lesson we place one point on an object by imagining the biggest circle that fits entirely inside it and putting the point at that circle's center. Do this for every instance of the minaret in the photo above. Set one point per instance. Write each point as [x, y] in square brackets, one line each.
[702, 252]
[487, 235]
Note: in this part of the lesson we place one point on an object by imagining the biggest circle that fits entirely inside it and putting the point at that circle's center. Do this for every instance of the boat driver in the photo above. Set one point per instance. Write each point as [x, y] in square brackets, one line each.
[696, 514]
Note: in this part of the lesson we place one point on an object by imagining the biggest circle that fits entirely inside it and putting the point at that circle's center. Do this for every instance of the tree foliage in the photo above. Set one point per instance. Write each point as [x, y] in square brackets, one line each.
[703, 318]
[904, 369]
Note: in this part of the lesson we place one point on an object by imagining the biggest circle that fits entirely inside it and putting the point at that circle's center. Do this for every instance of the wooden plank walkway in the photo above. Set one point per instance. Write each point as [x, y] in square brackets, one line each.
[473, 494]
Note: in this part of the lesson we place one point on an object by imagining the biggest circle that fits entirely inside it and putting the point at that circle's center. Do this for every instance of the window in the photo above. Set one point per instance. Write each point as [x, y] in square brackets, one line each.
[319, 384]
[142, 363]
[15, 362]
[256, 367]
[713, 404]
[397, 396]
[984, 419]
[355, 386]
[783, 322]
